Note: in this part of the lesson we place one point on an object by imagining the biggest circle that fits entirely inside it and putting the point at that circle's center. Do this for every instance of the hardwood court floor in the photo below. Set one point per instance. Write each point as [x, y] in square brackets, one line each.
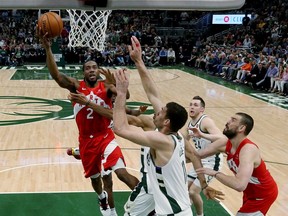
[34, 138]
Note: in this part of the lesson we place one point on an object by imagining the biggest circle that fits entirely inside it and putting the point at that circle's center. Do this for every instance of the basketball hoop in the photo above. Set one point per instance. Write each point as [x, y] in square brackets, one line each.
[88, 28]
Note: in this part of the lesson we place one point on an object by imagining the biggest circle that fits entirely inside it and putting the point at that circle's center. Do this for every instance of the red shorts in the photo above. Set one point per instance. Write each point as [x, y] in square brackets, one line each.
[98, 151]
[263, 205]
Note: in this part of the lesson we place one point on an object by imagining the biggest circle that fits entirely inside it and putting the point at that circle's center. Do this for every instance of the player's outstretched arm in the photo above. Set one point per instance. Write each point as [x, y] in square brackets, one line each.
[215, 147]
[144, 122]
[149, 85]
[63, 80]
[248, 156]
[153, 139]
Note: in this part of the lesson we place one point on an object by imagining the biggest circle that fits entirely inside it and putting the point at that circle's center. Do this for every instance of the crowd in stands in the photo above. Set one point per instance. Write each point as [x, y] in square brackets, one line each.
[255, 55]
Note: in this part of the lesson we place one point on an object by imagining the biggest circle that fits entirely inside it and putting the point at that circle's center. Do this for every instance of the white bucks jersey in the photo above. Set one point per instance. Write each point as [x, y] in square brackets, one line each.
[201, 143]
[145, 152]
[169, 183]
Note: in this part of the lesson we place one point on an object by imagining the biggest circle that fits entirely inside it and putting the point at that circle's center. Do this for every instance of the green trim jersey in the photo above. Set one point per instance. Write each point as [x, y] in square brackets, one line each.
[201, 143]
[145, 151]
[169, 182]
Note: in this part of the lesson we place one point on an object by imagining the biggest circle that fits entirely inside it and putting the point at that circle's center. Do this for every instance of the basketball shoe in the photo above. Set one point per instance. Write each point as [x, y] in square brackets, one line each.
[74, 152]
[113, 212]
[104, 207]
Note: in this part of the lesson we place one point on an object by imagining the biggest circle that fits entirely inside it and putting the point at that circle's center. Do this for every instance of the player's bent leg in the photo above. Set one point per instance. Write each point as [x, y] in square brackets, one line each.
[102, 194]
[96, 183]
[194, 193]
[107, 186]
[113, 159]
[124, 176]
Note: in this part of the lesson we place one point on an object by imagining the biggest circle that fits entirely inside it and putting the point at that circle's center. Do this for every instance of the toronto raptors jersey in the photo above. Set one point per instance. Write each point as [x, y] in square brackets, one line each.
[89, 122]
[261, 183]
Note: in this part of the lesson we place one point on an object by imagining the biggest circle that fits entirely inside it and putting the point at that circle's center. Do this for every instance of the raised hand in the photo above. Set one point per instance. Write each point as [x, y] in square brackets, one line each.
[122, 80]
[110, 79]
[135, 50]
[194, 132]
[43, 37]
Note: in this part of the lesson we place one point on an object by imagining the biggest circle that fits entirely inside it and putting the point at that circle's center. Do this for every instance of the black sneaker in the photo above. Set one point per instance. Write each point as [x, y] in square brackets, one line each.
[104, 207]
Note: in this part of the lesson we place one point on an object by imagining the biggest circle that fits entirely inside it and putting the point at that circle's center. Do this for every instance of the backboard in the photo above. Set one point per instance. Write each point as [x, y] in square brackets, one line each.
[202, 5]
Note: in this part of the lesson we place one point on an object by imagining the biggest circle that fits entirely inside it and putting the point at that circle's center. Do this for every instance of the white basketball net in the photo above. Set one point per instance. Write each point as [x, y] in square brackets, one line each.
[88, 28]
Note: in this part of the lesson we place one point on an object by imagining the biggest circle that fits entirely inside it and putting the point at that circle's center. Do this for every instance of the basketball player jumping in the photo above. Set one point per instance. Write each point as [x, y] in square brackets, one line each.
[96, 138]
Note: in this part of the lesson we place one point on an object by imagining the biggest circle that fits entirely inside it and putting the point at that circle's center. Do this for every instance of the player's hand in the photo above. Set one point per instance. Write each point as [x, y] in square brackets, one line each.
[122, 81]
[78, 98]
[194, 132]
[135, 50]
[110, 79]
[43, 38]
[213, 194]
[138, 112]
[206, 171]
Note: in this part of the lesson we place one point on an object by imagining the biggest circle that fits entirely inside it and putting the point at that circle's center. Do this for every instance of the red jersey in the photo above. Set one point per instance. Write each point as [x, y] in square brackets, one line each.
[95, 133]
[90, 123]
[261, 190]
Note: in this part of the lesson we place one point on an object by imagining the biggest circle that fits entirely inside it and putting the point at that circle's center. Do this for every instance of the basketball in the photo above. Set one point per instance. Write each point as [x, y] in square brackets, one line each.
[52, 23]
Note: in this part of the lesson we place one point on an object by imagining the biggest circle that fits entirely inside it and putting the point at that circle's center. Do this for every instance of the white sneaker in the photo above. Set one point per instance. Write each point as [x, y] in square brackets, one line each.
[113, 213]
[104, 207]
[106, 212]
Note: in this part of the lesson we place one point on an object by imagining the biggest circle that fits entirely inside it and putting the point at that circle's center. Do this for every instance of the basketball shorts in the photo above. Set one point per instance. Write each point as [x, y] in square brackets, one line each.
[139, 202]
[99, 152]
[258, 207]
[192, 175]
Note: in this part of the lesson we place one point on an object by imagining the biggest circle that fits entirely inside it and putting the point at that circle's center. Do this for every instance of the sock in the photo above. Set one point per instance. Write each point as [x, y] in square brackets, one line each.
[112, 210]
[102, 195]
[200, 215]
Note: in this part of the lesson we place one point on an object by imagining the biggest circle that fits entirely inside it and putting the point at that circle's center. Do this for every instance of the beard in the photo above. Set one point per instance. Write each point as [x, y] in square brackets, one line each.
[229, 133]
[91, 83]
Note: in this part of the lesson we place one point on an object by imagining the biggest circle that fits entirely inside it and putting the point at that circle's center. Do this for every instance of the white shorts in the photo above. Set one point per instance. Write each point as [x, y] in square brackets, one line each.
[120, 164]
[139, 202]
[192, 175]
[186, 212]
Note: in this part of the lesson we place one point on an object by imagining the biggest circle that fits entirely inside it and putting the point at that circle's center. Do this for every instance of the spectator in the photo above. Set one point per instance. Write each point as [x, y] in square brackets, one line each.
[246, 68]
[278, 79]
[119, 55]
[163, 56]
[247, 41]
[192, 60]
[272, 72]
[171, 56]
[257, 74]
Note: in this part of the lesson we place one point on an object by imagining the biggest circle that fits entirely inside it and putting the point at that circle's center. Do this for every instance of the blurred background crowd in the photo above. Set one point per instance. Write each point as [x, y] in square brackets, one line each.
[254, 54]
